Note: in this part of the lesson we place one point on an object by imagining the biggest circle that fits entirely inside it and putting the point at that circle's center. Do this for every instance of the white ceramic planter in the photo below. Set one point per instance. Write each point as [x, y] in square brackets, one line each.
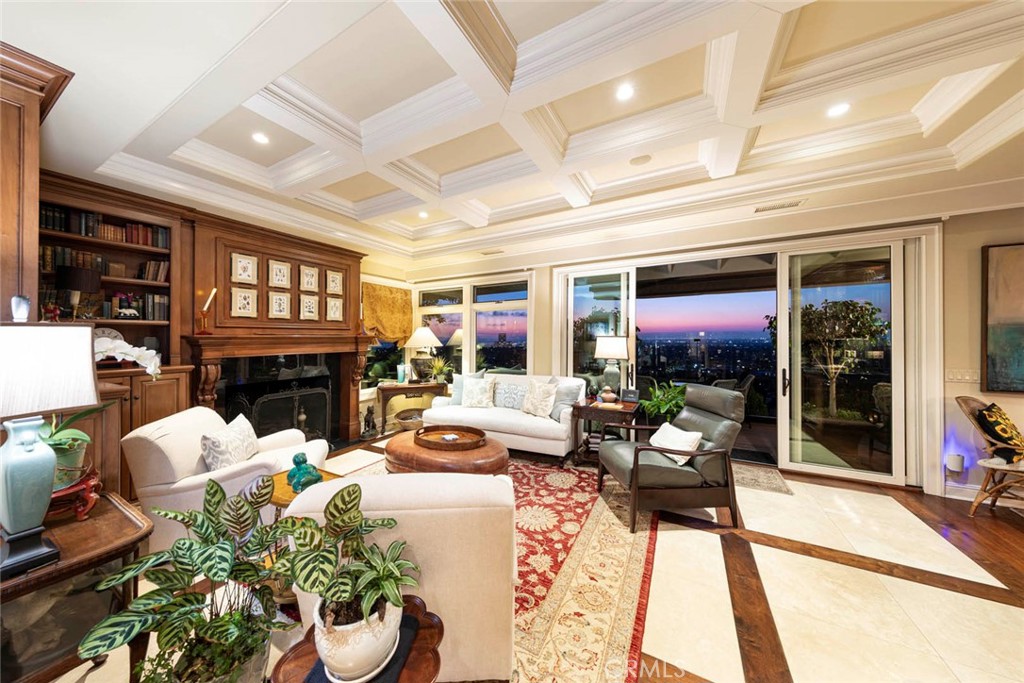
[355, 651]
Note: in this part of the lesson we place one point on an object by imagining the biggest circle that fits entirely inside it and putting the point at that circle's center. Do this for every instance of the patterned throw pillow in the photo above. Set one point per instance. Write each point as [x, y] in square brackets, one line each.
[509, 395]
[540, 398]
[478, 393]
[233, 444]
[457, 383]
[997, 424]
[565, 396]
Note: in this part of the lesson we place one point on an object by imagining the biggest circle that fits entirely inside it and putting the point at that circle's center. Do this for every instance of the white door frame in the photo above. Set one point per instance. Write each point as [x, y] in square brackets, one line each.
[924, 404]
[784, 365]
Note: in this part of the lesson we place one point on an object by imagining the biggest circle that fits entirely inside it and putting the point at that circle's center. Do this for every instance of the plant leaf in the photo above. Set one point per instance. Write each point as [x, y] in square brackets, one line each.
[181, 517]
[213, 499]
[203, 528]
[369, 598]
[154, 598]
[344, 522]
[183, 552]
[238, 516]
[258, 491]
[219, 630]
[247, 572]
[345, 500]
[134, 569]
[395, 551]
[186, 601]
[391, 592]
[283, 563]
[308, 538]
[82, 414]
[352, 546]
[340, 589]
[176, 629]
[215, 561]
[312, 569]
[265, 594]
[168, 578]
[114, 631]
[380, 523]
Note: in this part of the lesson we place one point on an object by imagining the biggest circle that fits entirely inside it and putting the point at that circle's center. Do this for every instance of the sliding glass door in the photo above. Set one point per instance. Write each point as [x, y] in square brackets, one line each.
[839, 337]
[600, 304]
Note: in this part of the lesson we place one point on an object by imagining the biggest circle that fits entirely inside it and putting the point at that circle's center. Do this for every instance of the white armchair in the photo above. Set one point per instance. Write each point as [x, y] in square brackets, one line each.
[169, 472]
[461, 532]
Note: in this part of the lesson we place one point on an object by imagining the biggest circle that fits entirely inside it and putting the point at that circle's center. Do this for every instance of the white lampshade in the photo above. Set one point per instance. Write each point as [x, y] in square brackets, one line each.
[46, 368]
[422, 338]
[612, 348]
[456, 339]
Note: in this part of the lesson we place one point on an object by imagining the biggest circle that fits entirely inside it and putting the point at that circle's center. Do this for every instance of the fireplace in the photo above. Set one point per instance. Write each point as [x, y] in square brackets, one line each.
[308, 382]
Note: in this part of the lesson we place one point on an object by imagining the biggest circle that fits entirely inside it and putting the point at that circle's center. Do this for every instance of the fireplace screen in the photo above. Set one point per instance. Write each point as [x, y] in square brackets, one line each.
[307, 409]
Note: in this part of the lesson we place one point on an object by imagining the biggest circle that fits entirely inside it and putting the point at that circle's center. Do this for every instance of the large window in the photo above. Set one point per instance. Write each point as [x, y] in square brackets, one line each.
[382, 360]
[490, 316]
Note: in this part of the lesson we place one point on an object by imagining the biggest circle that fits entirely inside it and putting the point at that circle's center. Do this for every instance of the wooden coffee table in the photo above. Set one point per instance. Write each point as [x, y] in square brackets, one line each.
[422, 666]
[284, 495]
[403, 454]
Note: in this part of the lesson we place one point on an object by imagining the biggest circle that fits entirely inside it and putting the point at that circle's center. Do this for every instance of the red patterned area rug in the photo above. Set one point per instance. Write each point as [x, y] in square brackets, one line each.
[583, 578]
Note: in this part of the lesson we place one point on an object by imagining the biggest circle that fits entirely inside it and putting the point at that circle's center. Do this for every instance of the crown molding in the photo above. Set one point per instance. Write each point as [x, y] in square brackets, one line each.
[720, 57]
[547, 125]
[975, 30]
[417, 179]
[487, 174]
[576, 188]
[44, 79]
[424, 110]
[688, 117]
[203, 155]
[471, 211]
[389, 202]
[326, 200]
[308, 166]
[607, 28]
[651, 181]
[530, 207]
[484, 28]
[139, 171]
[1004, 122]
[698, 199]
[290, 104]
[951, 93]
[833, 142]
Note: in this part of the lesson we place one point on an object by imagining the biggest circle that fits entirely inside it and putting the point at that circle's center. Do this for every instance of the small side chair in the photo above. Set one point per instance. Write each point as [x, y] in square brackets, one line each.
[1001, 477]
[656, 482]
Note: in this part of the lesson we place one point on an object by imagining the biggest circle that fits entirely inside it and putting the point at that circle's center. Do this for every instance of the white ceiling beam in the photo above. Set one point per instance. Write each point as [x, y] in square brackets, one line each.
[736, 67]
[1004, 122]
[471, 211]
[952, 93]
[721, 155]
[577, 188]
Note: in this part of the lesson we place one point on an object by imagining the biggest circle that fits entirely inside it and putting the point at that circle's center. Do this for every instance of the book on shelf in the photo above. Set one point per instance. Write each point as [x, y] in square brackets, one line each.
[87, 224]
[154, 271]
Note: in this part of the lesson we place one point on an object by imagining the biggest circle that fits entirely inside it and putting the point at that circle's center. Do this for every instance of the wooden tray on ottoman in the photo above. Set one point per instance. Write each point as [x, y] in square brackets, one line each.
[431, 437]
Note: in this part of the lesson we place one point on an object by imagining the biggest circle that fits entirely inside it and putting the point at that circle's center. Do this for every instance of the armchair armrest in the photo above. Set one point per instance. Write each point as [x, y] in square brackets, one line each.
[281, 439]
[702, 461]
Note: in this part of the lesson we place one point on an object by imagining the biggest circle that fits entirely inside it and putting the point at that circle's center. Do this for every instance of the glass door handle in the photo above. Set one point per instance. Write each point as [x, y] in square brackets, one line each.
[785, 382]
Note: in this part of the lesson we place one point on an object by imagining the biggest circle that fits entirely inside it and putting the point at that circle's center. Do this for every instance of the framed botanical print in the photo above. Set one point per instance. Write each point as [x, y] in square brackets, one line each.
[335, 309]
[335, 283]
[243, 303]
[309, 278]
[244, 268]
[309, 307]
[279, 274]
[279, 305]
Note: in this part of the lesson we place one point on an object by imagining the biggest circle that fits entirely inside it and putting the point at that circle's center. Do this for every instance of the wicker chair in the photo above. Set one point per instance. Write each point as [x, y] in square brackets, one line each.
[1000, 476]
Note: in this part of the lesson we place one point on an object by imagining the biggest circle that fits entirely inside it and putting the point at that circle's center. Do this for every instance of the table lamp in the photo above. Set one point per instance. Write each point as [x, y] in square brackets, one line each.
[55, 371]
[77, 280]
[423, 339]
[612, 349]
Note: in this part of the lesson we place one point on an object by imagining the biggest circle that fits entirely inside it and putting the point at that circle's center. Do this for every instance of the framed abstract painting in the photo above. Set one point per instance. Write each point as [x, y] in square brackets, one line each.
[1002, 333]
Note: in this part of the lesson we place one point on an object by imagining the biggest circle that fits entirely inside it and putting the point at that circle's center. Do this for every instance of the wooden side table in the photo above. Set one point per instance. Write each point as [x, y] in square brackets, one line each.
[47, 611]
[624, 411]
[283, 494]
[422, 666]
[388, 391]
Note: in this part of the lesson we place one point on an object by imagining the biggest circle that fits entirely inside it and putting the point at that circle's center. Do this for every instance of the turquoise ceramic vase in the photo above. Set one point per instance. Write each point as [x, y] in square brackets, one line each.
[27, 466]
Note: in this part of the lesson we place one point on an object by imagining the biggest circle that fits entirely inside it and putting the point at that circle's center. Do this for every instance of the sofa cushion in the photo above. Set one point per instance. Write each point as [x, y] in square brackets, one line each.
[565, 395]
[499, 420]
[457, 384]
[478, 393]
[232, 444]
[509, 394]
[540, 398]
[656, 470]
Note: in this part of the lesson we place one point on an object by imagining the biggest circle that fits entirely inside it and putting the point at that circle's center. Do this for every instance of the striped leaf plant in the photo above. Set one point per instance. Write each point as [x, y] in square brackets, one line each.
[202, 633]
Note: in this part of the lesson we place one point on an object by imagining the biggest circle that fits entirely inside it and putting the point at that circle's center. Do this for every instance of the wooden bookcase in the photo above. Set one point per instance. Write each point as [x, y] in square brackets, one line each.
[134, 244]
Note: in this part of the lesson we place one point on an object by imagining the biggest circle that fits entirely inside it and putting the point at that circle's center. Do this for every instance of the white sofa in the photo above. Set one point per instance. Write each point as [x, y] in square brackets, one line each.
[512, 426]
[461, 532]
[169, 472]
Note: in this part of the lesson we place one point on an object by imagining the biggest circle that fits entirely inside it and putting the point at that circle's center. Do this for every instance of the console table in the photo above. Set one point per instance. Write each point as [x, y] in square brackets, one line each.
[388, 391]
[46, 611]
[422, 666]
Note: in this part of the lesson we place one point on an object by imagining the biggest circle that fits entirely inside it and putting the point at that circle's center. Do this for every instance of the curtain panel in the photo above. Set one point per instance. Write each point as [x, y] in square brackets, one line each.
[387, 312]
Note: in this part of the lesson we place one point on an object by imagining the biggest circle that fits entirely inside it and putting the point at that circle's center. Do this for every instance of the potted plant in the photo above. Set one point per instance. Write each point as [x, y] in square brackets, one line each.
[219, 636]
[69, 445]
[665, 403]
[359, 610]
[439, 368]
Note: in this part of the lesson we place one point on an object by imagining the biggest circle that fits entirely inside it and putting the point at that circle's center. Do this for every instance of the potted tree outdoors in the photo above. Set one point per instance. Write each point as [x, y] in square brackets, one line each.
[217, 637]
[359, 610]
[666, 401]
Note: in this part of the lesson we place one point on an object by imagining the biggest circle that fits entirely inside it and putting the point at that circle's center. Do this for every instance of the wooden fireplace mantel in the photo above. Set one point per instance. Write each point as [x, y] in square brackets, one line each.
[209, 350]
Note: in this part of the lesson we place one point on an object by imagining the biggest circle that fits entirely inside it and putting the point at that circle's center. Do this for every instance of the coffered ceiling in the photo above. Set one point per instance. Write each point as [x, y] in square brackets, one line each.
[439, 129]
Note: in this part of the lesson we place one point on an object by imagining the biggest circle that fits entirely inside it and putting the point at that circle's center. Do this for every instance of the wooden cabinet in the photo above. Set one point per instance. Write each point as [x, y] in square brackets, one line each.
[146, 400]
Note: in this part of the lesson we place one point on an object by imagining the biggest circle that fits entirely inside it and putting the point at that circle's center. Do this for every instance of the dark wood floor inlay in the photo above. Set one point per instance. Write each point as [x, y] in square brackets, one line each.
[653, 670]
[760, 647]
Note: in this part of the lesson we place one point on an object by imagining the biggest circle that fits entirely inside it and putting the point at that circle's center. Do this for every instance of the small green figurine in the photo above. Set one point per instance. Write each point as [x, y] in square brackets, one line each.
[303, 475]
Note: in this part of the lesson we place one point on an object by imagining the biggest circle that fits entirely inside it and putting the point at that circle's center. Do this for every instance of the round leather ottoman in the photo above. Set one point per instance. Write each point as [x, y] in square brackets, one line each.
[403, 454]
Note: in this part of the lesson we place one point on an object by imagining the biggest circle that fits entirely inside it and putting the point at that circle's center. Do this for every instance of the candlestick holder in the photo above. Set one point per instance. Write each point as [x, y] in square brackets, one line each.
[203, 323]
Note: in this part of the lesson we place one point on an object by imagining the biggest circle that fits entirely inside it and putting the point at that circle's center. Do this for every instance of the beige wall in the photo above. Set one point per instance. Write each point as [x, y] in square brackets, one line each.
[963, 238]
[544, 338]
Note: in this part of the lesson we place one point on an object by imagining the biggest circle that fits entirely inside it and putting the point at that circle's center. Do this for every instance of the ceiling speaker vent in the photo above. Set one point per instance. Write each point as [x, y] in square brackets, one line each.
[778, 206]
[492, 252]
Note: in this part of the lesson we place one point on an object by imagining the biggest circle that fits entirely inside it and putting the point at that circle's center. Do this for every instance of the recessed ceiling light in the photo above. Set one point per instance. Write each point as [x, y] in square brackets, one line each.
[640, 160]
[837, 110]
[624, 92]
[424, 214]
[260, 138]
